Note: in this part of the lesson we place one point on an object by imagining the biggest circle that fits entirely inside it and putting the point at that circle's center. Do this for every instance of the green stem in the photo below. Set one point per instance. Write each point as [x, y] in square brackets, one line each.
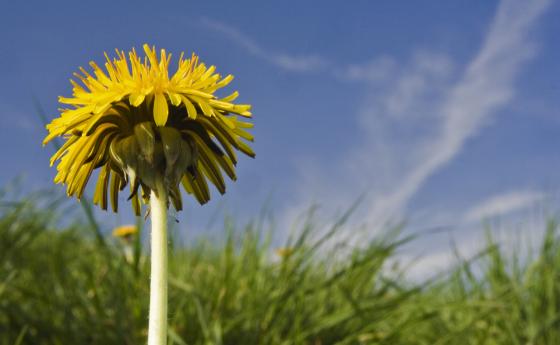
[157, 328]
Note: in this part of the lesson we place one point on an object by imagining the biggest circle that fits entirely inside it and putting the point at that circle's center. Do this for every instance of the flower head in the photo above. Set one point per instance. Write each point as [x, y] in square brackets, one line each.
[284, 252]
[125, 231]
[139, 125]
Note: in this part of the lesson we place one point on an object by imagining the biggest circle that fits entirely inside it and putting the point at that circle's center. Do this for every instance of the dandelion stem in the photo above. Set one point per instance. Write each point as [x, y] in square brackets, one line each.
[157, 329]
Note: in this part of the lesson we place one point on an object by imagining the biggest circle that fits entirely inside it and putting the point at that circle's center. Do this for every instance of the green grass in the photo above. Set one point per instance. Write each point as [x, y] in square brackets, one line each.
[61, 285]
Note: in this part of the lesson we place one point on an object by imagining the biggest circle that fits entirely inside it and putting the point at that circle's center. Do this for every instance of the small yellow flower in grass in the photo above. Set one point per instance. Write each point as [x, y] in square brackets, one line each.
[138, 124]
[125, 231]
[284, 252]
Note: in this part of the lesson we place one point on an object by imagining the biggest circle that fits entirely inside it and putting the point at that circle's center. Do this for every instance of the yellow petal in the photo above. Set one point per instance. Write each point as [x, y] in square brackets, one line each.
[206, 108]
[161, 111]
[174, 98]
[136, 99]
[231, 97]
[191, 110]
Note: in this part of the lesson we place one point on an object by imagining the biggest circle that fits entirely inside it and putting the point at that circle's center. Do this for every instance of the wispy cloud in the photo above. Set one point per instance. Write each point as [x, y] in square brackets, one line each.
[486, 85]
[417, 115]
[502, 205]
[426, 267]
[420, 115]
[512, 234]
[371, 71]
[374, 71]
[303, 63]
[471, 239]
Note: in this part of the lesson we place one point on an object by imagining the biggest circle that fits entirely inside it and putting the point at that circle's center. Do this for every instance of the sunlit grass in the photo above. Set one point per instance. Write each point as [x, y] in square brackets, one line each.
[60, 285]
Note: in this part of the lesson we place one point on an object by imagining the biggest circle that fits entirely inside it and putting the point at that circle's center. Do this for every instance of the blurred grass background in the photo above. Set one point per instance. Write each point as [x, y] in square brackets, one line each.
[60, 284]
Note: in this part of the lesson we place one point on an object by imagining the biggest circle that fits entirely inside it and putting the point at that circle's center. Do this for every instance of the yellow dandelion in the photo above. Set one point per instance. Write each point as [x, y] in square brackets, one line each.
[284, 252]
[137, 124]
[144, 128]
[125, 231]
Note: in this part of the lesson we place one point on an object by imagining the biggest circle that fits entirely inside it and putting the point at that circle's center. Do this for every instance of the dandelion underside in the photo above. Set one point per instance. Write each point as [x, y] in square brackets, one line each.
[140, 126]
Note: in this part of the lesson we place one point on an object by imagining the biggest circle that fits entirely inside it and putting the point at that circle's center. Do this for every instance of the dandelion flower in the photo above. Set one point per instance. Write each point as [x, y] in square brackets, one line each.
[142, 127]
[137, 124]
[284, 252]
[125, 234]
[125, 231]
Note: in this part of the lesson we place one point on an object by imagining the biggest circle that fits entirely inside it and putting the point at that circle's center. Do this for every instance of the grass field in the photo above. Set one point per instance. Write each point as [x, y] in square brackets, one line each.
[60, 284]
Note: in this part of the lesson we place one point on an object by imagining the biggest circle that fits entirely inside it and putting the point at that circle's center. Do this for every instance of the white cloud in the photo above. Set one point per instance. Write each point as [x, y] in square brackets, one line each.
[304, 63]
[376, 70]
[426, 267]
[503, 205]
[513, 236]
[416, 118]
[486, 85]
[372, 71]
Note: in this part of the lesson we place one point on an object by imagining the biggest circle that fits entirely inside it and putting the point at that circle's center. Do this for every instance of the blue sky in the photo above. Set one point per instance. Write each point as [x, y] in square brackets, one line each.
[439, 112]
